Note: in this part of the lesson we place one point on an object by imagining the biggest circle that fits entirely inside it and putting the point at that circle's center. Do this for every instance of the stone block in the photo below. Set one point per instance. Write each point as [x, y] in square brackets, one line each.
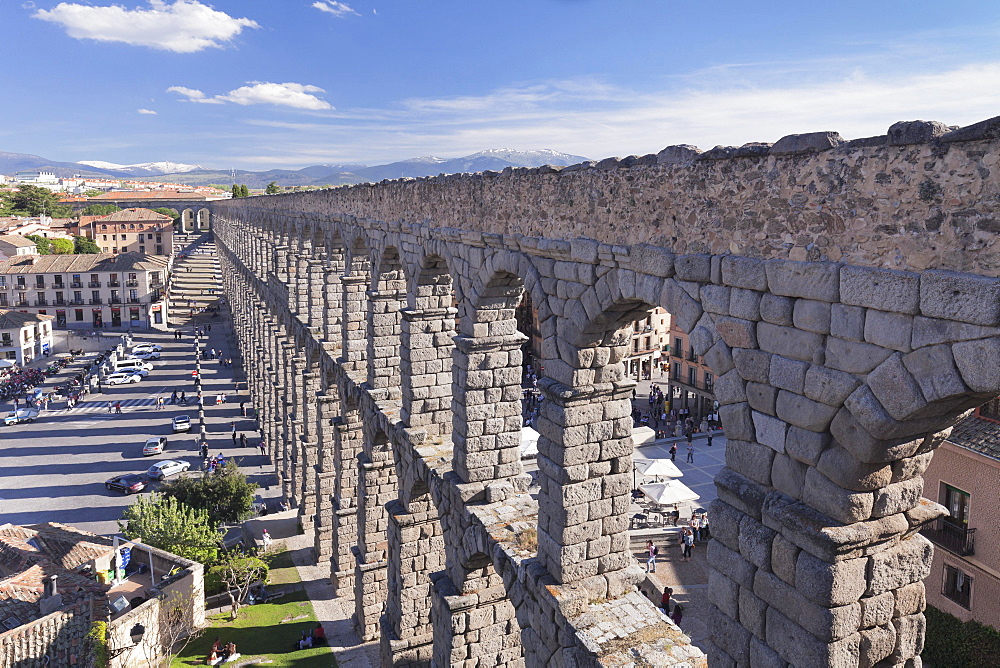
[847, 322]
[877, 610]
[724, 593]
[652, 260]
[979, 364]
[826, 624]
[744, 272]
[788, 374]
[910, 467]
[898, 497]
[737, 422]
[704, 335]
[910, 631]
[788, 475]
[719, 358]
[770, 431]
[829, 498]
[878, 288]
[828, 386]
[931, 331]
[852, 356]
[849, 472]
[933, 367]
[800, 648]
[762, 656]
[831, 584]
[909, 599]
[799, 411]
[812, 316]
[902, 133]
[752, 610]
[737, 333]
[685, 310]
[753, 365]
[694, 267]
[731, 563]
[730, 388]
[889, 330]
[740, 492]
[761, 397]
[715, 299]
[755, 542]
[906, 563]
[806, 143]
[790, 342]
[681, 154]
[729, 635]
[777, 310]
[750, 459]
[744, 304]
[784, 556]
[896, 389]
[804, 445]
[877, 643]
[809, 280]
[725, 523]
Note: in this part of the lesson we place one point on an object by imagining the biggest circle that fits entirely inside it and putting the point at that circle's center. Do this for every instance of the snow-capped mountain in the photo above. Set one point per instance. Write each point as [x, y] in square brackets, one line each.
[144, 168]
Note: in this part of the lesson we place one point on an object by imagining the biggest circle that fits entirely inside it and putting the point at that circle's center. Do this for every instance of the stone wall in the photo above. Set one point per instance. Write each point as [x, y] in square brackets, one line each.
[834, 381]
[58, 639]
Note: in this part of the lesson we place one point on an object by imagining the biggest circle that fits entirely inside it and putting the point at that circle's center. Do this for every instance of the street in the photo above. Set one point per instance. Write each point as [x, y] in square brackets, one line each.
[54, 469]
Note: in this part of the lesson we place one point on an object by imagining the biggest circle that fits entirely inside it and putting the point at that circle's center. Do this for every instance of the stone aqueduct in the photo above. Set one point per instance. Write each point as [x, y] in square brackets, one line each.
[844, 293]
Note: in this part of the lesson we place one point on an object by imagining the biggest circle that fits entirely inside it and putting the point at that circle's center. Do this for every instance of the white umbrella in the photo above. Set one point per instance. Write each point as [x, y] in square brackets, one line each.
[658, 468]
[669, 493]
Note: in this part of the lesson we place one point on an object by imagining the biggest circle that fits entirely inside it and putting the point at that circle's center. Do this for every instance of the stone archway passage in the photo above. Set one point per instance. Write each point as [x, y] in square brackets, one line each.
[844, 294]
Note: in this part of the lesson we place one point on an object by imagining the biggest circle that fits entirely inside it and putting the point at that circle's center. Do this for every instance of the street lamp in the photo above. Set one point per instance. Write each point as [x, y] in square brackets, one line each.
[136, 635]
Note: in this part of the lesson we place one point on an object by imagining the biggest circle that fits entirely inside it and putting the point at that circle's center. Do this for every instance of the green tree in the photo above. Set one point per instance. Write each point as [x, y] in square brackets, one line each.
[244, 191]
[34, 200]
[272, 188]
[166, 523]
[168, 212]
[85, 246]
[43, 245]
[62, 247]
[236, 191]
[226, 496]
[99, 209]
[238, 573]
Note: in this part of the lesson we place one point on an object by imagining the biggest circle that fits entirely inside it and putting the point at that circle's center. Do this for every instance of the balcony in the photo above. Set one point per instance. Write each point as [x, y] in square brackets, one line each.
[693, 383]
[41, 302]
[114, 284]
[952, 537]
[21, 286]
[76, 284]
[134, 300]
[96, 301]
[60, 301]
[132, 284]
[22, 302]
[94, 284]
[115, 300]
[39, 286]
[77, 302]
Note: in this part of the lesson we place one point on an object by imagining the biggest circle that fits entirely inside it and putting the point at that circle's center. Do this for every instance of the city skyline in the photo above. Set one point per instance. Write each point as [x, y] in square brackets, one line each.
[369, 82]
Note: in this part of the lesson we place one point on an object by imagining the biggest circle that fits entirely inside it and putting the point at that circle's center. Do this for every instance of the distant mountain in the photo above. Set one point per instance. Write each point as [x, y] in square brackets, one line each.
[144, 168]
[315, 175]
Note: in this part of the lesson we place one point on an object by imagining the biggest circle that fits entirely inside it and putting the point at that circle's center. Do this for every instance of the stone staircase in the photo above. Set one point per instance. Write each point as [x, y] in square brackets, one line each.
[196, 282]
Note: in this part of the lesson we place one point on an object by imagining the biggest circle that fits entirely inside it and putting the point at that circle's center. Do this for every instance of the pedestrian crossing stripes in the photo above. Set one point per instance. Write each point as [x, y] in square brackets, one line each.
[98, 406]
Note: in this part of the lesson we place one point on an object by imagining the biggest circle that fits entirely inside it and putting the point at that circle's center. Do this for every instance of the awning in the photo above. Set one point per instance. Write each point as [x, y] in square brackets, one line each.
[663, 468]
[669, 493]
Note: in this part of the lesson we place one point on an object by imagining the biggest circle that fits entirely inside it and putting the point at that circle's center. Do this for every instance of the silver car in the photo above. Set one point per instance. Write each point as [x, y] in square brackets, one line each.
[161, 470]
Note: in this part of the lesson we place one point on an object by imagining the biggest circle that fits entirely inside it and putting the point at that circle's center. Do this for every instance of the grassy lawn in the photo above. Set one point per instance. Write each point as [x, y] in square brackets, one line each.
[267, 632]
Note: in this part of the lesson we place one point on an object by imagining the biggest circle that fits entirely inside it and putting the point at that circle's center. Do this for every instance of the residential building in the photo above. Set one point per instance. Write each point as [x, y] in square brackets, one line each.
[131, 231]
[56, 581]
[12, 245]
[127, 290]
[649, 345]
[691, 383]
[37, 178]
[964, 476]
[24, 336]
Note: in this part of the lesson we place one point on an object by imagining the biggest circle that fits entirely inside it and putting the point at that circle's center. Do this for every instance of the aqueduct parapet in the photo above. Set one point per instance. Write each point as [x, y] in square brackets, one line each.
[844, 293]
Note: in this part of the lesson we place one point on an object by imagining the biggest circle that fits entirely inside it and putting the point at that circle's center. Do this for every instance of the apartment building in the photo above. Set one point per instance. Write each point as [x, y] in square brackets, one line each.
[649, 345]
[131, 231]
[691, 382]
[88, 291]
[24, 336]
[964, 476]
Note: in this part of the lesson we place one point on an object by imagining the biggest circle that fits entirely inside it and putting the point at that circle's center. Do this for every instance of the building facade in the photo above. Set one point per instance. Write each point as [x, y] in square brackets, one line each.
[650, 345]
[24, 336]
[131, 231]
[88, 291]
[12, 245]
[964, 477]
[691, 385]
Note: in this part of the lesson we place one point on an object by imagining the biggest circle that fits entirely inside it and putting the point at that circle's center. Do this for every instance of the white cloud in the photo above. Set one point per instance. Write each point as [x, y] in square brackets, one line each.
[185, 26]
[338, 9]
[148, 112]
[295, 95]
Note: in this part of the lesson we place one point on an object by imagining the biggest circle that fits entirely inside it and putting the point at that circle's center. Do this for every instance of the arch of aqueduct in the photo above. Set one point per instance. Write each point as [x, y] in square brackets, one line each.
[844, 293]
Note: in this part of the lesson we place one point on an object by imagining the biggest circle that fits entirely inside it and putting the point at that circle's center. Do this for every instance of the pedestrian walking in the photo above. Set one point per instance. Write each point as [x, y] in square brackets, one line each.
[118, 407]
[243, 408]
[678, 614]
[234, 439]
[263, 447]
[665, 600]
[690, 455]
[651, 550]
[208, 327]
[111, 407]
[687, 543]
[243, 440]
[232, 426]
[709, 439]
[673, 452]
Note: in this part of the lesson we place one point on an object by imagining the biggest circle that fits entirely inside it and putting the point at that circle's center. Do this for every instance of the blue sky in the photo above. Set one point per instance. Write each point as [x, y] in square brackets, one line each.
[289, 83]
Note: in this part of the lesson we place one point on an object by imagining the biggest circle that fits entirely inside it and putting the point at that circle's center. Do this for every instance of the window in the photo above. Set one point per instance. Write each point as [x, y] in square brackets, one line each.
[3, 299]
[60, 318]
[142, 249]
[7, 341]
[3, 281]
[11, 355]
[104, 227]
[709, 380]
[78, 314]
[105, 237]
[957, 586]
[95, 296]
[159, 249]
[142, 237]
[133, 277]
[692, 375]
[957, 503]
[40, 281]
[76, 278]
[133, 314]
[678, 346]
[20, 281]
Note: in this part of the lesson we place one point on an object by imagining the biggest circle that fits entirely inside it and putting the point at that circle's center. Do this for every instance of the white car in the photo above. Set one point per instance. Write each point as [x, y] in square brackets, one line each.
[21, 415]
[161, 470]
[146, 346]
[181, 423]
[123, 377]
[154, 446]
[138, 371]
[145, 354]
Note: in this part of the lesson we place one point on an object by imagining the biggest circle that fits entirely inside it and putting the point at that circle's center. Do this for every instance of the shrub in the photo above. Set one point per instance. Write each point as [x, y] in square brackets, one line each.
[956, 644]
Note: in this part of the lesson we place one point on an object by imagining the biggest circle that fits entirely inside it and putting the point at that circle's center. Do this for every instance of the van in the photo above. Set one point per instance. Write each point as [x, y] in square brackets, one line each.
[132, 365]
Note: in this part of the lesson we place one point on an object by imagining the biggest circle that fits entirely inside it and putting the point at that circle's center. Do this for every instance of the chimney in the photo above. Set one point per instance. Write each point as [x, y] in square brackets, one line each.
[51, 599]
[50, 586]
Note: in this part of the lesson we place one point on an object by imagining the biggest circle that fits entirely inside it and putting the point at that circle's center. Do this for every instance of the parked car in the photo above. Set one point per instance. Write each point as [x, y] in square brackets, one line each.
[161, 470]
[146, 346]
[145, 354]
[123, 377]
[140, 371]
[181, 423]
[21, 415]
[154, 446]
[129, 483]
